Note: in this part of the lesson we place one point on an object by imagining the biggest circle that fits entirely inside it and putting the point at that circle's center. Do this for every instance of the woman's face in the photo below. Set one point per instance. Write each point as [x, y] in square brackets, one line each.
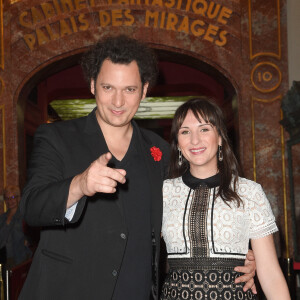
[199, 145]
[11, 200]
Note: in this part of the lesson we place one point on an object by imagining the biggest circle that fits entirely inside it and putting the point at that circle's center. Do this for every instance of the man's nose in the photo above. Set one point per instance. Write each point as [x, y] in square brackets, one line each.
[118, 100]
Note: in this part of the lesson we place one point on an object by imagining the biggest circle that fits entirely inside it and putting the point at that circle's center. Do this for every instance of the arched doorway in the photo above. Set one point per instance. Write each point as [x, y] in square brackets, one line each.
[180, 75]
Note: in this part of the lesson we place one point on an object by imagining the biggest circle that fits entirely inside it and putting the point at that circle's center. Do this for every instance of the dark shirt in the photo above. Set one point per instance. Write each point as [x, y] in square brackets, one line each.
[134, 279]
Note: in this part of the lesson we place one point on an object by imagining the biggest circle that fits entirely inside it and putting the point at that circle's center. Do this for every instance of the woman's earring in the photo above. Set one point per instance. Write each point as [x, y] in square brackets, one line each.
[179, 157]
[220, 153]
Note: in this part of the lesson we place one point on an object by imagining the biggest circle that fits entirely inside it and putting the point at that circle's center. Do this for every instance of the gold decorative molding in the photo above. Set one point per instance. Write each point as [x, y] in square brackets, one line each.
[276, 55]
[254, 99]
[1, 37]
[286, 228]
[3, 143]
[269, 101]
[265, 76]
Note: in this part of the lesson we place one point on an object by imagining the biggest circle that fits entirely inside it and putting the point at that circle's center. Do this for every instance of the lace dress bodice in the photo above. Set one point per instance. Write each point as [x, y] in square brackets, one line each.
[196, 224]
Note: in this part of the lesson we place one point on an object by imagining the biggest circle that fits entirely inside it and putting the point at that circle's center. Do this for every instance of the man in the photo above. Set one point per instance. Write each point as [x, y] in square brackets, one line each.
[95, 184]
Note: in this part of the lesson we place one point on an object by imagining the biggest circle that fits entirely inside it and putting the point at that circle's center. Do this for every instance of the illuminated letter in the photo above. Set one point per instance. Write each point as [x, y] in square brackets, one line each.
[223, 39]
[29, 40]
[53, 36]
[149, 15]
[130, 18]
[84, 23]
[41, 37]
[22, 21]
[171, 22]
[79, 4]
[171, 3]
[115, 15]
[225, 13]
[210, 13]
[64, 28]
[201, 10]
[184, 26]
[200, 31]
[36, 15]
[74, 25]
[211, 30]
[67, 5]
[104, 18]
[157, 2]
[48, 10]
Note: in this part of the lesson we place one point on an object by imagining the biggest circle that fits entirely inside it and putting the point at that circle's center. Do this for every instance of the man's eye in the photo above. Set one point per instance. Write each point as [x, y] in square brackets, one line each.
[106, 87]
[131, 89]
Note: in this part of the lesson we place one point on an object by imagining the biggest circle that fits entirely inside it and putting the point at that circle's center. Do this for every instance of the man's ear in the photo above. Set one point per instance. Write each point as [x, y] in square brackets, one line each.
[145, 89]
[93, 86]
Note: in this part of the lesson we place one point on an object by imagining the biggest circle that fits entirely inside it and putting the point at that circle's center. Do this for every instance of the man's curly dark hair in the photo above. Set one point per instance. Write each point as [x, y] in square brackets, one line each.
[122, 50]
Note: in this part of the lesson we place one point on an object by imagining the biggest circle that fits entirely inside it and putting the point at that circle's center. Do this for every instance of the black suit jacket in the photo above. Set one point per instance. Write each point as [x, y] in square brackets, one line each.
[78, 259]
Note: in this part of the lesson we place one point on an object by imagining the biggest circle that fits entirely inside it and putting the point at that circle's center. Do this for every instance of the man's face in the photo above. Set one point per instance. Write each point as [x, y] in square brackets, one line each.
[118, 91]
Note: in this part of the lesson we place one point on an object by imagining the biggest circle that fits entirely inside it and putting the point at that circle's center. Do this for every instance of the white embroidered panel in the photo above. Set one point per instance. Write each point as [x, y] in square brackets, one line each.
[232, 226]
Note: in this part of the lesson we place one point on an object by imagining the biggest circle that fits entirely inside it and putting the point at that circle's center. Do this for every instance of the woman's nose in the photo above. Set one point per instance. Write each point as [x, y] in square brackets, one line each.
[195, 138]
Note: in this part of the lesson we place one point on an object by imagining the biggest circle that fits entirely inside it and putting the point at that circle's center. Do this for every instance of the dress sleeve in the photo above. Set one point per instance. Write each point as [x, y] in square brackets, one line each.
[261, 216]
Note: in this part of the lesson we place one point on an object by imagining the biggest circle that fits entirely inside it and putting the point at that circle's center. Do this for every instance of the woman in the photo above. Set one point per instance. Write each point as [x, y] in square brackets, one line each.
[210, 213]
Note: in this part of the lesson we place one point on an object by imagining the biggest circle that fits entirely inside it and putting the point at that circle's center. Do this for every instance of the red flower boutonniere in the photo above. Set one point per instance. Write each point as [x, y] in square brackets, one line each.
[156, 153]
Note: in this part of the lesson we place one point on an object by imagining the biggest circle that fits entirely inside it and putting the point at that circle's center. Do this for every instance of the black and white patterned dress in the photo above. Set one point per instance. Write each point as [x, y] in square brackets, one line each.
[206, 239]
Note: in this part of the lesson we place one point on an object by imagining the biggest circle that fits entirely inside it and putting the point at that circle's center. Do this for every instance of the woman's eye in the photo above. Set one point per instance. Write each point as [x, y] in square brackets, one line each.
[184, 132]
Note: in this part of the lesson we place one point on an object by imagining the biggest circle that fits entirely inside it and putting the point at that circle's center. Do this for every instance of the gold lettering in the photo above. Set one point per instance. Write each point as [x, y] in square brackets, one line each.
[188, 5]
[41, 37]
[84, 23]
[48, 10]
[197, 31]
[115, 15]
[213, 13]
[162, 20]
[67, 5]
[53, 36]
[29, 40]
[57, 6]
[170, 3]
[129, 16]
[22, 20]
[199, 10]
[211, 30]
[74, 25]
[104, 18]
[224, 14]
[151, 15]
[157, 2]
[171, 21]
[64, 28]
[179, 4]
[80, 4]
[223, 38]
[36, 15]
[184, 26]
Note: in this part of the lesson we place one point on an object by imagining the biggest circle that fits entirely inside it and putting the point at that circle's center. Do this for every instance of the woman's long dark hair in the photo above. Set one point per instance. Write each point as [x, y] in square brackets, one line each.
[229, 168]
